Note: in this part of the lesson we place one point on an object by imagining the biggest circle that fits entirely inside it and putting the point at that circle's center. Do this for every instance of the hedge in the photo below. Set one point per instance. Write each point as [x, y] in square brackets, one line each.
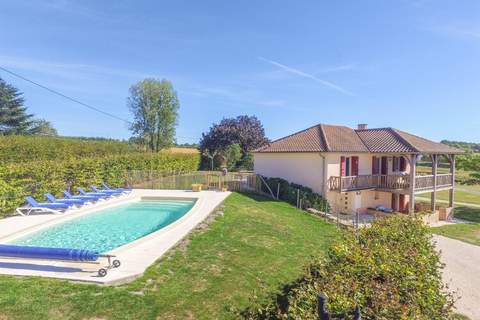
[18, 180]
[16, 148]
[390, 270]
[288, 192]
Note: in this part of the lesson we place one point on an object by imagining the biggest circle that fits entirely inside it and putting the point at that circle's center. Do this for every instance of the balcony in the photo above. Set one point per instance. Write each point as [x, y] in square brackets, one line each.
[389, 182]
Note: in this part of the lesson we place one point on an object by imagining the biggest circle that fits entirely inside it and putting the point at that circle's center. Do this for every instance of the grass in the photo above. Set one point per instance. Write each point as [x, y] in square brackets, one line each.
[467, 232]
[460, 196]
[254, 248]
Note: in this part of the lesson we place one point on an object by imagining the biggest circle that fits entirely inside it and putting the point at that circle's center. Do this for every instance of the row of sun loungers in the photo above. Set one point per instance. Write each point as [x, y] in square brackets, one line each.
[70, 201]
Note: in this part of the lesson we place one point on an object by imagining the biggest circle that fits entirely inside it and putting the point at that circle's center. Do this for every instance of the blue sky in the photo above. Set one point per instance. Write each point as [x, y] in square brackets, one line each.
[409, 64]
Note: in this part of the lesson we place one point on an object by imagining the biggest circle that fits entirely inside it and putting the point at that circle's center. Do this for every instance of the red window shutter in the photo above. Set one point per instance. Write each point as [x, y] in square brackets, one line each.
[403, 164]
[395, 164]
[402, 202]
[384, 165]
[343, 166]
[375, 165]
[354, 166]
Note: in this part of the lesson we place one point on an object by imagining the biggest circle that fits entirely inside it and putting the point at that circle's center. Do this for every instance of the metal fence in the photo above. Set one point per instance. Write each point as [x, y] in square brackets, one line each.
[210, 180]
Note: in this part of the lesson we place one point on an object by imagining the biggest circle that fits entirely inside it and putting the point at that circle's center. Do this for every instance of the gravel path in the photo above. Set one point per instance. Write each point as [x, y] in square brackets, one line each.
[462, 273]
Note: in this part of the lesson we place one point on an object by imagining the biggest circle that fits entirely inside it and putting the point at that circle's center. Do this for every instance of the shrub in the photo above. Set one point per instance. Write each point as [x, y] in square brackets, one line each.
[37, 177]
[288, 192]
[391, 270]
[16, 148]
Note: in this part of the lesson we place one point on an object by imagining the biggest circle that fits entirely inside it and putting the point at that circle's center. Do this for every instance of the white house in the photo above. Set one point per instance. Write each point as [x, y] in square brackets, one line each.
[356, 169]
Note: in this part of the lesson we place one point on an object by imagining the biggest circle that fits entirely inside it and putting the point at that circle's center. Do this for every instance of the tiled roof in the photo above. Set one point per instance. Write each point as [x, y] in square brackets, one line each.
[342, 139]
[426, 146]
[332, 138]
[308, 140]
[384, 140]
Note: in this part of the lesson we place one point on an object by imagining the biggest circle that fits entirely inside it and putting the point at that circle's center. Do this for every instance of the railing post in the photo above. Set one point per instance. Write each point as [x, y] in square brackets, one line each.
[413, 169]
[434, 171]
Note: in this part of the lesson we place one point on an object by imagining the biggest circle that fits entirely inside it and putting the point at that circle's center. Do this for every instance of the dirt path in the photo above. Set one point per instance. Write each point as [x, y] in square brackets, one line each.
[461, 273]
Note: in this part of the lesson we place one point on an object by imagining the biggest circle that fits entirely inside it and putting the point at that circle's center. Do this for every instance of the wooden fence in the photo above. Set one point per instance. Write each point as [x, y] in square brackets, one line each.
[210, 180]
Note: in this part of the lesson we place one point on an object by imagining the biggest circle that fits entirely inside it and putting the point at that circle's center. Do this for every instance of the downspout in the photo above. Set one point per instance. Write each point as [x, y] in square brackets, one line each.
[324, 176]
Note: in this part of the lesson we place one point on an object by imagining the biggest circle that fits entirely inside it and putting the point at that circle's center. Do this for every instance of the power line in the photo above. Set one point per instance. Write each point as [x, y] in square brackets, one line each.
[75, 100]
[66, 97]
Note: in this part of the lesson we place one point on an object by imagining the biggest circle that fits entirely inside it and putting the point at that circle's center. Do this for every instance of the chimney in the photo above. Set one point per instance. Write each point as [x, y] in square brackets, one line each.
[362, 126]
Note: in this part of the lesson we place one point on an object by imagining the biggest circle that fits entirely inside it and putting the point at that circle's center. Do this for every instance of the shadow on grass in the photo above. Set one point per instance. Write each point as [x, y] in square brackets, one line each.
[468, 213]
[257, 197]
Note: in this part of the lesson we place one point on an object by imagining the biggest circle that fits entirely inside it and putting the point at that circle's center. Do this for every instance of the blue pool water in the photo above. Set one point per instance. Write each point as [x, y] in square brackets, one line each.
[110, 228]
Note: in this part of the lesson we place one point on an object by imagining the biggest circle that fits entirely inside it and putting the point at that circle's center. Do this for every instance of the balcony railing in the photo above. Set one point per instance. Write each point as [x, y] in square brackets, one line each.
[426, 182]
[388, 182]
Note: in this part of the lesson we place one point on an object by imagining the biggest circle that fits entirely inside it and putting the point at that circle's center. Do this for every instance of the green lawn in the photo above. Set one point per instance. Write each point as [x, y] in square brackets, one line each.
[254, 248]
[460, 195]
[467, 232]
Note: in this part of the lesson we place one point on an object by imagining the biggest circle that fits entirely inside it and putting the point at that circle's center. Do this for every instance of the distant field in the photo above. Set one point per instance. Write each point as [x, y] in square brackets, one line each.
[183, 150]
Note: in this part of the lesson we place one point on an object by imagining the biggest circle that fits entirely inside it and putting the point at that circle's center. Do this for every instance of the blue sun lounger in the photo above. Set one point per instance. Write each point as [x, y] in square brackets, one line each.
[107, 187]
[112, 192]
[34, 206]
[97, 194]
[87, 198]
[63, 254]
[78, 202]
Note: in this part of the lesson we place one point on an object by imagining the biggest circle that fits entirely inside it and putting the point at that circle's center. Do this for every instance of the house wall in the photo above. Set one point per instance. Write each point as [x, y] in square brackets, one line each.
[333, 163]
[301, 168]
[345, 202]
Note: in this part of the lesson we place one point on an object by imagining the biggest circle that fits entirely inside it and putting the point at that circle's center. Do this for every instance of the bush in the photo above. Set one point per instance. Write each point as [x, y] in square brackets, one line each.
[391, 270]
[288, 192]
[37, 177]
[17, 148]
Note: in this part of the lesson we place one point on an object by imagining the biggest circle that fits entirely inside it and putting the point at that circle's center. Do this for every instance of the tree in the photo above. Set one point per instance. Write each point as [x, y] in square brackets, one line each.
[154, 105]
[210, 155]
[246, 131]
[42, 127]
[232, 155]
[14, 118]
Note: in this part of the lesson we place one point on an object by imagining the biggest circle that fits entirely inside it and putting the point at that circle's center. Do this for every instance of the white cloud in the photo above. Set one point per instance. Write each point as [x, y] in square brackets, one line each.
[66, 70]
[307, 76]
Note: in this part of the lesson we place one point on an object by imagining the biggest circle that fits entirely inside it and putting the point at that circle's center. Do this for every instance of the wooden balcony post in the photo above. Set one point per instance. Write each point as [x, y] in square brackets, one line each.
[434, 173]
[451, 192]
[413, 169]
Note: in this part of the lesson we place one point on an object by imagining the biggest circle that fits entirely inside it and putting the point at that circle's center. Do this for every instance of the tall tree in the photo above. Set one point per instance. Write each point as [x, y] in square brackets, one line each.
[14, 118]
[154, 105]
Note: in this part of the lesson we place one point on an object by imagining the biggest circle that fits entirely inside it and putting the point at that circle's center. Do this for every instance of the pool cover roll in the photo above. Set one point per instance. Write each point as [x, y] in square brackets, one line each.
[47, 253]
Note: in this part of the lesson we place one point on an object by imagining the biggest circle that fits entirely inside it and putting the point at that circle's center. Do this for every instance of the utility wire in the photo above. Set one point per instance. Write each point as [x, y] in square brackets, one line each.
[73, 99]
[65, 96]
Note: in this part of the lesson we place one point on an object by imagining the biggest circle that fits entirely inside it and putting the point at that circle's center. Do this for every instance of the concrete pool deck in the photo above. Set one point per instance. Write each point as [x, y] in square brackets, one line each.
[135, 256]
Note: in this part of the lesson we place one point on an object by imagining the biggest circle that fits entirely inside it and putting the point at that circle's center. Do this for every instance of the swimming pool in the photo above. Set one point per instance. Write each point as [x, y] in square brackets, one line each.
[111, 228]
